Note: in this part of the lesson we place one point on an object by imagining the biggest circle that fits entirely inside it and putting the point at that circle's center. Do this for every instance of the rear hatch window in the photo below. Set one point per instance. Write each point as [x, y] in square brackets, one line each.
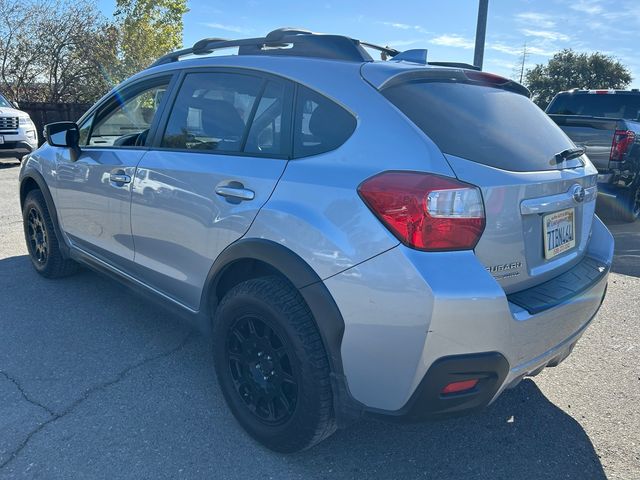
[618, 105]
[488, 125]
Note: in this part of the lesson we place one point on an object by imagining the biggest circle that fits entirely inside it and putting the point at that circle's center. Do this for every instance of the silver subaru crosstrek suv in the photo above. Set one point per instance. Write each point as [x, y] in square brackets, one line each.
[400, 237]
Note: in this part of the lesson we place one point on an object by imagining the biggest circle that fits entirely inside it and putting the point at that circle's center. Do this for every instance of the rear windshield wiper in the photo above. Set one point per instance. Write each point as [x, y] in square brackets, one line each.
[568, 154]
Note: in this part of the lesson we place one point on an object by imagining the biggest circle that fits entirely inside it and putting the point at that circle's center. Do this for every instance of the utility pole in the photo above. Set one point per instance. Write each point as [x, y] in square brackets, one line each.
[481, 33]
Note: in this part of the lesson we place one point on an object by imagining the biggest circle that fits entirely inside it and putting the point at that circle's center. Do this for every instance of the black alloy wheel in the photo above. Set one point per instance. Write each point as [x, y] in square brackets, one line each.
[42, 242]
[37, 236]
[260, 366]
[272, 365]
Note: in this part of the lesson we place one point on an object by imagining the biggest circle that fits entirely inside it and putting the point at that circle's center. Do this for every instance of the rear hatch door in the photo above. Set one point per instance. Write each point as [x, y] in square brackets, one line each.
[539, 202]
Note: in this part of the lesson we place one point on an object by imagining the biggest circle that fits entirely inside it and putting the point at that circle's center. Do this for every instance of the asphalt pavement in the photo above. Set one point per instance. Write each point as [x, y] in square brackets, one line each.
[96, 382]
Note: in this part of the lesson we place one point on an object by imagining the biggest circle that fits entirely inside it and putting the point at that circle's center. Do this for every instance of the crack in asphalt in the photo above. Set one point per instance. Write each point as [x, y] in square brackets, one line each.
[25, 395]
[90, 391]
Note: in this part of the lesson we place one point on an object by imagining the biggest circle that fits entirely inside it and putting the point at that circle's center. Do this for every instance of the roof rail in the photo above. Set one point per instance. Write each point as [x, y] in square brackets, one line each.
[287, 42]
[305, 43]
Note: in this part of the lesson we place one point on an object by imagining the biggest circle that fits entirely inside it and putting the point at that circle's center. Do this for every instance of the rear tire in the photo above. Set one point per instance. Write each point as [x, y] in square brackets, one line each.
[627, 204]
[42, 243]
[272, 366]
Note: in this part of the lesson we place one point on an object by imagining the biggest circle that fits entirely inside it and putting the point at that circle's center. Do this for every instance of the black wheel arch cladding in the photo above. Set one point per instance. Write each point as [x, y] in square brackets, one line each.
[315, 293]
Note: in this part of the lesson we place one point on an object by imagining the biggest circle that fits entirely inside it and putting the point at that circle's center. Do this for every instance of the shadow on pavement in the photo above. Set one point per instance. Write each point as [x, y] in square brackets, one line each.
[168, 418]
[541, 442]
[627, 237]
[8, 163]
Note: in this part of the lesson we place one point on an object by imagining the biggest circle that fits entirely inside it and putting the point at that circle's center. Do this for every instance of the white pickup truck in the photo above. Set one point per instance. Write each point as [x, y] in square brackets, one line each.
[18, 135]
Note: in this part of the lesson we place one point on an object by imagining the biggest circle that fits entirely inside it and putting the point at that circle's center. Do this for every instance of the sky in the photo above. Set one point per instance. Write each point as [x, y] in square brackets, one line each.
[445, 28]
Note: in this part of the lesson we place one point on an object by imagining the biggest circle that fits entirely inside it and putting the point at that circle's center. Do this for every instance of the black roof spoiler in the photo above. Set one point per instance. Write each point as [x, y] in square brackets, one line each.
[467, 66]
[459, 75]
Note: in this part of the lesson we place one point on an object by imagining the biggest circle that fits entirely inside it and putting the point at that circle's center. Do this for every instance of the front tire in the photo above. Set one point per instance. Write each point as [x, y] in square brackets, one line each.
[42, 243]
[272, 366]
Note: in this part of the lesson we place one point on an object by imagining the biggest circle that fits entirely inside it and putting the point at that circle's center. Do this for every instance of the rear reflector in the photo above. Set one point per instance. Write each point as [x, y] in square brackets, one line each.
[622, 140]
[426, 212]
[458, 387]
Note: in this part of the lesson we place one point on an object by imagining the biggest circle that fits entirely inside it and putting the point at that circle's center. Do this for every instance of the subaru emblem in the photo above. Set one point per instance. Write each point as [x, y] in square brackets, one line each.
[578, 193]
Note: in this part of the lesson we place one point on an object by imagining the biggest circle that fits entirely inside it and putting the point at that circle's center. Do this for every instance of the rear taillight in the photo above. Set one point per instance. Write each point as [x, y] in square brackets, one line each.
[426, 212]
[622, 140]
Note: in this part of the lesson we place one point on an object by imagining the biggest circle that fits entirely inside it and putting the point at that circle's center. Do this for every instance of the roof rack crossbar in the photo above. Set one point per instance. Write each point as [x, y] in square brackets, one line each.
[334, 47]
[300, 42]
[172, 57]
[392, 52]
[278, 34]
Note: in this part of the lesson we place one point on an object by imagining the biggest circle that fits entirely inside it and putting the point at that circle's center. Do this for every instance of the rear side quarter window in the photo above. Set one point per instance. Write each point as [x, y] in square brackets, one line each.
[321, 125]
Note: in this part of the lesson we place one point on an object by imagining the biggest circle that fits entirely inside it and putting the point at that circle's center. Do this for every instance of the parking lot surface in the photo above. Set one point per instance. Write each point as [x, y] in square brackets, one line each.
[96, 382]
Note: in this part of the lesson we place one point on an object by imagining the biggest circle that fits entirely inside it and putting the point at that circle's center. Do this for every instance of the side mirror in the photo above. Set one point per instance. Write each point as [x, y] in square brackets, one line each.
[62, 134]
[16, 105]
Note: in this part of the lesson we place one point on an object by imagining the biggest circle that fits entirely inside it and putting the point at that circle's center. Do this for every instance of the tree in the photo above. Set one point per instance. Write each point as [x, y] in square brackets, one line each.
[20, 63]
[77, 43]
[67, 51]
[148, 30]
[55, 51]
[568, 69]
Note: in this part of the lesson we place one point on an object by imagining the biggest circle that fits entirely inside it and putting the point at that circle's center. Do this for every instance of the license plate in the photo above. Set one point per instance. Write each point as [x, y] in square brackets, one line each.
[559, 232]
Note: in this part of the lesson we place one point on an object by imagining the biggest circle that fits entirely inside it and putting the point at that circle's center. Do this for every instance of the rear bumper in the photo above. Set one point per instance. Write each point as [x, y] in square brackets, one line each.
[407, 314]
[605, 178]
[551, 358]
[494, 374]
[623, 176]
[427, 402]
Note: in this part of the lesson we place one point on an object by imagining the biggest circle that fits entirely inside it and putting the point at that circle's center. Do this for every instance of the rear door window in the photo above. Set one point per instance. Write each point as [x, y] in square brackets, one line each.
[211, 112]
[487, 125]
[321, 125]
[271, 126]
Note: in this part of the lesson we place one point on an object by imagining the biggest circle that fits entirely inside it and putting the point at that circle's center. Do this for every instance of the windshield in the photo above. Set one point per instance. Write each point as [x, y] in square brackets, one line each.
[5, 103]
[487, 125]
[613, 105]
